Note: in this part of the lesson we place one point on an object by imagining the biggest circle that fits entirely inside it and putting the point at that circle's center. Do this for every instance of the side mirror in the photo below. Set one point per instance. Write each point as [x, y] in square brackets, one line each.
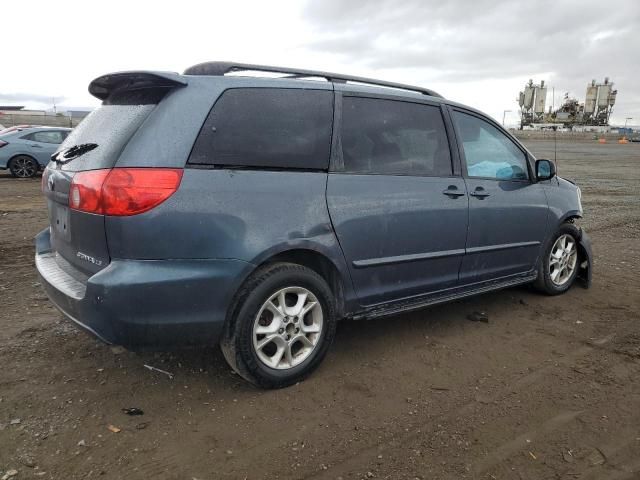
[545, 169]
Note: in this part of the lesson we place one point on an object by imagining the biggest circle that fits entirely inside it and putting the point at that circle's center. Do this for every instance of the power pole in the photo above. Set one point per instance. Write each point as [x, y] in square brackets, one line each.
[504, 113]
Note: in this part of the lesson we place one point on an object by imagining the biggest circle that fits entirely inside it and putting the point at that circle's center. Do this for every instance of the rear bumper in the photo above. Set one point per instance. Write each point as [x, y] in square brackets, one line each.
[144, 304]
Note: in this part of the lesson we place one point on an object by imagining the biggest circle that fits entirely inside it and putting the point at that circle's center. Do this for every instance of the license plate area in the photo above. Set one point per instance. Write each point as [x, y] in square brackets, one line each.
[59, 221]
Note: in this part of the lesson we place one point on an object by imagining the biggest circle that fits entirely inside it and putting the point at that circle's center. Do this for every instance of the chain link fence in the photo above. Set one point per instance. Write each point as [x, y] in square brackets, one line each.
[570, 136]
[10, 120]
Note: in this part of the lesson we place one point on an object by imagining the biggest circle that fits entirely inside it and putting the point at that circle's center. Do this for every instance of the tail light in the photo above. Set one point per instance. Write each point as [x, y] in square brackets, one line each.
[85, 193]
[122, 191]
[3, 143]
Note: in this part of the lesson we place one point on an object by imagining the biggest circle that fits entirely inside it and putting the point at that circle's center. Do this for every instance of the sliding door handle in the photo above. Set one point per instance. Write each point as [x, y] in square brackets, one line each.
[453, 192]
[480, 193]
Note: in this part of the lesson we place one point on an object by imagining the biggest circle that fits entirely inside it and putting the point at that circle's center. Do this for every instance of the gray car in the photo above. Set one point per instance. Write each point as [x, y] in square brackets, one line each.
[256, 212]
[25, 150]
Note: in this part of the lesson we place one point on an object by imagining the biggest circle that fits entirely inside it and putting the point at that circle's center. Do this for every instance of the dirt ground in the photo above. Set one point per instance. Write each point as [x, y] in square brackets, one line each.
[548, 389]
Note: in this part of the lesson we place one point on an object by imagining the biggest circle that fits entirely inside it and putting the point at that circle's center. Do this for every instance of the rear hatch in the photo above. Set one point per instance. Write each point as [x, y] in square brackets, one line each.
[77, 237]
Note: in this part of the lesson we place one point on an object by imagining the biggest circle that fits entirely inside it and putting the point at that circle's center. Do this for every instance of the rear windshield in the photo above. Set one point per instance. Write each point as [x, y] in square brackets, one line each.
[267, 128]
[109, 128]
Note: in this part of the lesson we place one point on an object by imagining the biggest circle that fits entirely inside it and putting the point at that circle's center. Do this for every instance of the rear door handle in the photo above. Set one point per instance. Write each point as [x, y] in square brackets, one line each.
[480, 193]
[453, 192]
[36, 146]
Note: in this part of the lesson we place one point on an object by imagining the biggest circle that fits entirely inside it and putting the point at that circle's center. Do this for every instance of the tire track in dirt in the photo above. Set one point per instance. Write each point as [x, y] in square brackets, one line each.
[621, 468]
[367, 456]
[506, 450]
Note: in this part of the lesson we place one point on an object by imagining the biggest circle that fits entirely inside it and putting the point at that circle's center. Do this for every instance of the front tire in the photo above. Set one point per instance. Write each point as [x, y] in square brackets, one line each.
[281, 326]
[559, 264]
[23, 166]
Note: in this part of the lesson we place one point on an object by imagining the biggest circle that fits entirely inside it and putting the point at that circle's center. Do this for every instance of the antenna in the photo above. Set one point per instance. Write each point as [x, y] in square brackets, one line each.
[555, 130]
[555, 147]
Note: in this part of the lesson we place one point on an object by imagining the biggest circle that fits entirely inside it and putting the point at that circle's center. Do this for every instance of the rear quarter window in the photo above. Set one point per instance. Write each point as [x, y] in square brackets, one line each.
[110, 127]
[267, 127]
[49, 136]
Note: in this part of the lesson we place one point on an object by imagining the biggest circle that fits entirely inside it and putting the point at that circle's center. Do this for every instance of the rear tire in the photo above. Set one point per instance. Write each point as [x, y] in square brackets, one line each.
[23, 166]
[560, 262]
[281, 326]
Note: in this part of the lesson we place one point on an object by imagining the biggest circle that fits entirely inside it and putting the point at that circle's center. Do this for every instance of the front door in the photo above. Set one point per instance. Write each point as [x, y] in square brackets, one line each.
[507, 209]
[399, 212]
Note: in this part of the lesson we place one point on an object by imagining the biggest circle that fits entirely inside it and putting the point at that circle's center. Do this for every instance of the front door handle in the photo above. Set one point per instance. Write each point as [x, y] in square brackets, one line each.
[480, 193]
[36, 146]
[453, 192]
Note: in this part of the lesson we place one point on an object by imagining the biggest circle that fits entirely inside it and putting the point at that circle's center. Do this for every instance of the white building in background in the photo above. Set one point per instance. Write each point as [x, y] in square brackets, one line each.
[593, 128]
[18, 110]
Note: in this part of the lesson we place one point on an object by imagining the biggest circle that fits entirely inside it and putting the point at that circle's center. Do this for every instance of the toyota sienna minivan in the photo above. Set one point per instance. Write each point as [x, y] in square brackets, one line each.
[227, 206]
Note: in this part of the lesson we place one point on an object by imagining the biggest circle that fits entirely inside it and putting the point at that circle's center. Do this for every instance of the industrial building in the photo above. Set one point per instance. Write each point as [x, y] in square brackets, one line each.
[594, 112]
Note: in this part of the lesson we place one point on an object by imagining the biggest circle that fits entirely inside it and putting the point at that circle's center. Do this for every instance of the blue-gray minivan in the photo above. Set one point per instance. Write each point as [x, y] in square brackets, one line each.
[228, 206]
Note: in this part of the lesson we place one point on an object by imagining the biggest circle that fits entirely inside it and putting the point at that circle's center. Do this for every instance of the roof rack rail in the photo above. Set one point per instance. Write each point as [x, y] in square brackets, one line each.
[222, 68]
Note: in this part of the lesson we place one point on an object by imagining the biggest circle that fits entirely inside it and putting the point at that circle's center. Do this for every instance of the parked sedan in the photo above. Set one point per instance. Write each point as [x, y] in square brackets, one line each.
[4, 131]
[25, 151]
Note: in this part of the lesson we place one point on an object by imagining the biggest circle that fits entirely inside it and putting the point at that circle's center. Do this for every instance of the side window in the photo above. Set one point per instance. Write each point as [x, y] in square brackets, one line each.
[394, 138]
[267, 127]
[489, 153]
[51, 136]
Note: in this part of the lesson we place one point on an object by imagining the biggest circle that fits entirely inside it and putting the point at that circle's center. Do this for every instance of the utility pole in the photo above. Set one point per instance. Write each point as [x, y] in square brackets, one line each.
[504, 115]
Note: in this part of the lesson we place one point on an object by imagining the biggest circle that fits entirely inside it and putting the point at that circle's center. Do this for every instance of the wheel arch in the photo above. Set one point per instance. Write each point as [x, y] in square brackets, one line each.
[319, 263]
[20, 154]
[571, 216]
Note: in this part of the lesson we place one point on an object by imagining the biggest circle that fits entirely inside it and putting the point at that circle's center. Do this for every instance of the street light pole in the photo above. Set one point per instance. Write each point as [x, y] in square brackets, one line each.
[504, 114]
[626, 120]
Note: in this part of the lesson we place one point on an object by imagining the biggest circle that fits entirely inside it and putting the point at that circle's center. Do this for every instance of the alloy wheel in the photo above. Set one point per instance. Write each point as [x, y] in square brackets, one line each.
[563, 260]
[287, 328]
[23, 167]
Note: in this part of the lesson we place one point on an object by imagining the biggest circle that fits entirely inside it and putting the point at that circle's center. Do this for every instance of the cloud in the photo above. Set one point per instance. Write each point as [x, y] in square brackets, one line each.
[458, 41]
[482, 38]
[28, 98]
[479, 52]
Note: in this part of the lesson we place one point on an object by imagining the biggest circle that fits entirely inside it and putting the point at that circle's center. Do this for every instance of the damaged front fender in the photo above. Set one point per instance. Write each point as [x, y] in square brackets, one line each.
[585, 257]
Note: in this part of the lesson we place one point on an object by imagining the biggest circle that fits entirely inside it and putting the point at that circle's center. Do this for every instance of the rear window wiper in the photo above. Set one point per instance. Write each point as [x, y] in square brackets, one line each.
[71, 153]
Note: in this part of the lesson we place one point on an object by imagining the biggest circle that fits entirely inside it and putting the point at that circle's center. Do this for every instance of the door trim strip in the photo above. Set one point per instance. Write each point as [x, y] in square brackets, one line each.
[376, 262]
[504, 246]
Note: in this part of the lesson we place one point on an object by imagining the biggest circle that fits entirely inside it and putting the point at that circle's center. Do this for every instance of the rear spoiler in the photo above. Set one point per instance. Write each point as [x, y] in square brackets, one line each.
[102, 86]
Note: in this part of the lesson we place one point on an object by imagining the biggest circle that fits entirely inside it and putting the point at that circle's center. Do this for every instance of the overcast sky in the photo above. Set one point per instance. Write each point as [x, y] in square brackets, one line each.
[478, 52]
